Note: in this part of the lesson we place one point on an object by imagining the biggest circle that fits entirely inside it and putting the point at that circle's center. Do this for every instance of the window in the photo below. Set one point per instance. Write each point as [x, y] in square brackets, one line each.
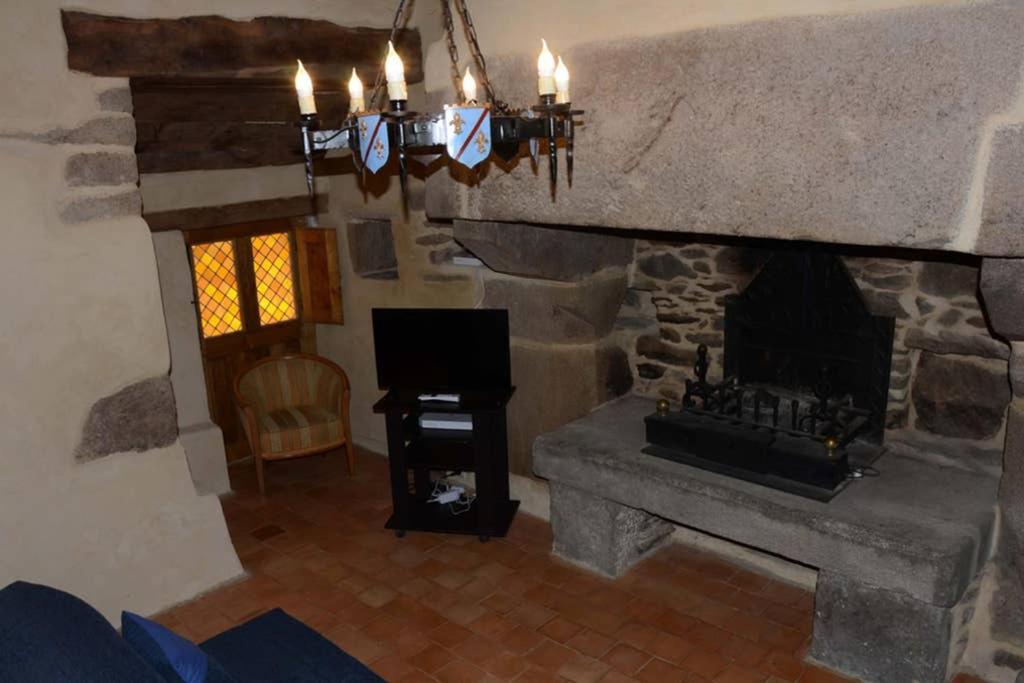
[275, 288]
[216, 288]
[244, 283]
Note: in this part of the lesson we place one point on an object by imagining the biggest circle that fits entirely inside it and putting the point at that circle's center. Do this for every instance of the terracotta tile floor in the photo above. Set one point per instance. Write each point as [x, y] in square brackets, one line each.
[449, 608]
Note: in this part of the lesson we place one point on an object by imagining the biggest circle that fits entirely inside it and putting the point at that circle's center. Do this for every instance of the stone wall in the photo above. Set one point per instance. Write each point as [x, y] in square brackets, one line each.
[949, 373]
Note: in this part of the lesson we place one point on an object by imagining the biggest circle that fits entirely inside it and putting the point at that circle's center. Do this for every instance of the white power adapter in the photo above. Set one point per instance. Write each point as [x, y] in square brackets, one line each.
[450, 496]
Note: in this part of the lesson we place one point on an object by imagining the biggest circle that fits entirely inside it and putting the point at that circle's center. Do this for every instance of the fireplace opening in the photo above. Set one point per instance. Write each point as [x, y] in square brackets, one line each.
[806, 368]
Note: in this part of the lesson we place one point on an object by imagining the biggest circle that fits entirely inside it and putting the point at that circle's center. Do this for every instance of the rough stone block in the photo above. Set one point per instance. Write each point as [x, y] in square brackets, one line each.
[601, 535]
[108, 130]
[948, 342]
[919, 529]
[101, 168]
[1017, 369]
[879, 635]
[139, 417]
[116, 100]
[959, 397]
[655, 348]
[96, 207]
[948, 280]
[550, 253]
[540, 310]
[1011, 486]
[371, 249]
[555, 384]
[665, 266]
[820, 125]
[1002, 219]
[1002, 288]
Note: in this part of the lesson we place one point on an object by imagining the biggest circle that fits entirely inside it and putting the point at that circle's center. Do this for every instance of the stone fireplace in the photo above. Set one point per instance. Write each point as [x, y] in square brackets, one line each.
[891, 140]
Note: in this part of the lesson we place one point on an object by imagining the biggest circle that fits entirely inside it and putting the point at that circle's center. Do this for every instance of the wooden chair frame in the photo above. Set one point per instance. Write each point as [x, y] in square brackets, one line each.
[251, 426]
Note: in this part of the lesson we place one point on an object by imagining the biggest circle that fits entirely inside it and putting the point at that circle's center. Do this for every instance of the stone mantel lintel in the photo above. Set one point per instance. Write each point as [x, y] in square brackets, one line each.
[877, 128]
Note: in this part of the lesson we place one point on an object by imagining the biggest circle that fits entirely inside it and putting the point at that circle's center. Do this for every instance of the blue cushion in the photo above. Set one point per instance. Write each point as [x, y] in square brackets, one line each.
[47, 635]
[173, 657]
[275, 648]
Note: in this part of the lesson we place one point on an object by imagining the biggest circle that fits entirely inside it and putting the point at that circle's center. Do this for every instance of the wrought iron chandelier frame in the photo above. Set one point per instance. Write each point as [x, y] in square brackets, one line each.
[411, 132]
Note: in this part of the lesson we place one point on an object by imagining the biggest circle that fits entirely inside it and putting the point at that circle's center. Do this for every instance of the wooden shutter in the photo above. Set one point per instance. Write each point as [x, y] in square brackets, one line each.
[319, 276]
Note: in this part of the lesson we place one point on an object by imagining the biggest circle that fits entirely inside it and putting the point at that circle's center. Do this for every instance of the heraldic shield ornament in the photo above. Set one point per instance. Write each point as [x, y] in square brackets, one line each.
[469, 134]
[373, 141]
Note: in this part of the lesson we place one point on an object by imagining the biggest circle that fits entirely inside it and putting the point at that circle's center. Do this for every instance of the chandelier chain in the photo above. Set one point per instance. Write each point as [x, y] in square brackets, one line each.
[378, 85]
[478, 56]
[453, 49]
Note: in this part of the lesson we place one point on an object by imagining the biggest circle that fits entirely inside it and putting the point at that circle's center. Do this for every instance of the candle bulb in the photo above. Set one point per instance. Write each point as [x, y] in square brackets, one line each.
[469, 87]
[561, 82]
[356, 103]
[395, 72]
[545, 70]
[304, 88]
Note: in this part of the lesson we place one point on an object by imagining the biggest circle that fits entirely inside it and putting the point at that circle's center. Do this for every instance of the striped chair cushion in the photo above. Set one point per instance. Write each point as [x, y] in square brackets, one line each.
[289, 382]
[291, 429]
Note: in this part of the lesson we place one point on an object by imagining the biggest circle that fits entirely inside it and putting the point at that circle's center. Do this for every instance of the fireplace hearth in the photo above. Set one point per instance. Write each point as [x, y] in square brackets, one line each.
[802, 405]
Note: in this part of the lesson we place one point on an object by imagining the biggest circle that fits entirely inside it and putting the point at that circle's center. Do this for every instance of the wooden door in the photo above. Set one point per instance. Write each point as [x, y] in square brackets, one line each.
[248, 307]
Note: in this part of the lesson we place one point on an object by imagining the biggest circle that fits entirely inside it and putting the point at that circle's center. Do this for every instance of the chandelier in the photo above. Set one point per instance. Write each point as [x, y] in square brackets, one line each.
[468, 132]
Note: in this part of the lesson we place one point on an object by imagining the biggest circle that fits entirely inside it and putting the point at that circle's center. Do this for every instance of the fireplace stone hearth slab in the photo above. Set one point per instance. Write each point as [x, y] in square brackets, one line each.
[912, 538]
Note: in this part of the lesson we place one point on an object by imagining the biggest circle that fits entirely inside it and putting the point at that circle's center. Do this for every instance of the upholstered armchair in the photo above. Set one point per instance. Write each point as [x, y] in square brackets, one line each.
[293, 405]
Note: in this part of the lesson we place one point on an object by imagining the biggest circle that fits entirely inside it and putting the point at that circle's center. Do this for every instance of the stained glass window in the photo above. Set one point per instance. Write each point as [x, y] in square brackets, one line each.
[272, 266]
[217, 288]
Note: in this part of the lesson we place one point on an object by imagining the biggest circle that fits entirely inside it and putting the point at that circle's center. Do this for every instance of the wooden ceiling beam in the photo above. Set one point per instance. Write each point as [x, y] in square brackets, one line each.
[213, 45]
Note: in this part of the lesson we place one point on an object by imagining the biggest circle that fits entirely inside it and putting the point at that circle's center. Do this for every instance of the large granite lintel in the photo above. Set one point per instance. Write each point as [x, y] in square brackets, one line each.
[917, 528]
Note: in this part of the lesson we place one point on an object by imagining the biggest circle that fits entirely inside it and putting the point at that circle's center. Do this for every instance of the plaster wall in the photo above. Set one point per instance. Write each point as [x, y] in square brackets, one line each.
[82, 320]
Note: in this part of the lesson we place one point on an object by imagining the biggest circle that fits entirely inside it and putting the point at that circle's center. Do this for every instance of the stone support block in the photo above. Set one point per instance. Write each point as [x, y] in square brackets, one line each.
[106, 130]
[878, 635]
[1017, 369]
[1002, 288]
[1011, 486]
[547, 253]
[601, 535]
[558, 312]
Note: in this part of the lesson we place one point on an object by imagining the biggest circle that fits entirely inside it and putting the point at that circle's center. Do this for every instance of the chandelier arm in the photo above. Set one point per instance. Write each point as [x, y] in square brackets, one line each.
[478, 56]
[378, 85]
[453, 49]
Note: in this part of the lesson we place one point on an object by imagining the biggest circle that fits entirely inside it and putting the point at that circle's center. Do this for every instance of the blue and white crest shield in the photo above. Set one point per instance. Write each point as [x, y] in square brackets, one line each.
[373, 141]
[469, 134]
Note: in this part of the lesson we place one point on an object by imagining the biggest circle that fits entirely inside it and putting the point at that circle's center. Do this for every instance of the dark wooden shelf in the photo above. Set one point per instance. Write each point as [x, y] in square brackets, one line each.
[442, 454]
[433, 517]
[470, 401]
[482, 451]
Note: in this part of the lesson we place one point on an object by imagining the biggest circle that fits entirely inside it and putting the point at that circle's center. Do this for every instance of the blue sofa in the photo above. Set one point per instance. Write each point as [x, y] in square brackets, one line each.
[47, 635]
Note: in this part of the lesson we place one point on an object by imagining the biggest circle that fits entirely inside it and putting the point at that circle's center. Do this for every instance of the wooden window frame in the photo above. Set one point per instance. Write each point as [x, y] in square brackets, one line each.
[239, 235]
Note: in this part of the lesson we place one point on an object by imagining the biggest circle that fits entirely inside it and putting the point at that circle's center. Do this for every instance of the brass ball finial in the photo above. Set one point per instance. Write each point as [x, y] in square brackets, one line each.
[831, 443]
[662, 406]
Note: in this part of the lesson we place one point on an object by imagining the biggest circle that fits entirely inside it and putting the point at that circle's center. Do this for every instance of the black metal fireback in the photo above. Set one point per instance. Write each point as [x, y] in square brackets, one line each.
[806, 383]
[803, 321]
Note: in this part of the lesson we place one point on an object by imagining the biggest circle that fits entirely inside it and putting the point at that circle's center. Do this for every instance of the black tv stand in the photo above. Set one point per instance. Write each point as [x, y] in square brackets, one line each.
[483, 451]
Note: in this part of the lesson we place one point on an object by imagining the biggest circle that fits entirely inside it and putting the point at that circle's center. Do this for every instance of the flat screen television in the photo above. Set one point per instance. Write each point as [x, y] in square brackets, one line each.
[442, 349]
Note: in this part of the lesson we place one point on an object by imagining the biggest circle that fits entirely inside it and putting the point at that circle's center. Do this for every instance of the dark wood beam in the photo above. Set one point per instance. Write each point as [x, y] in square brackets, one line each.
[231, 214]
[213, 45]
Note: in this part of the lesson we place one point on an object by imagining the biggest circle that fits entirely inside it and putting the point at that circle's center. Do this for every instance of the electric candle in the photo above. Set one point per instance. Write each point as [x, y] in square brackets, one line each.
[561, 82]
[545, 70]
[468, 86]
[304, 88]
[356, 103]
[395, 72]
